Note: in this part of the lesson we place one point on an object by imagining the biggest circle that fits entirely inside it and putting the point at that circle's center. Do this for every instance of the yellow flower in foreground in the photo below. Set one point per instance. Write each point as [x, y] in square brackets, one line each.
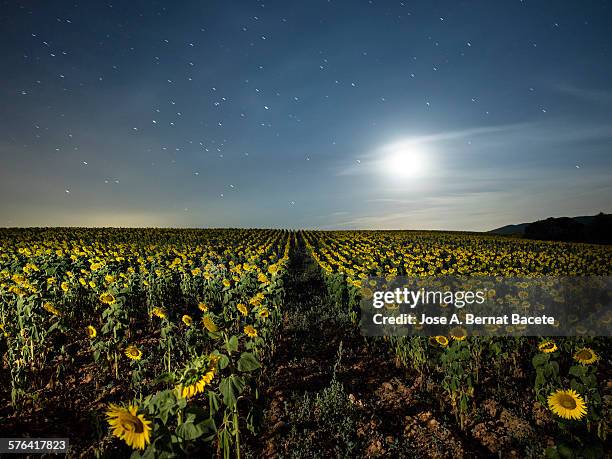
[442, 340]
[202, 307]
[91, 331]
[52, 309]
[129, 426]
[226, 283]
[108, 298]
[209, 324]
[586, 356]
[263, 313]
[567, 403]
[242, 308]
[547, 347]
[133, 352]
[250, 331]
[65, 286]
[187, 320]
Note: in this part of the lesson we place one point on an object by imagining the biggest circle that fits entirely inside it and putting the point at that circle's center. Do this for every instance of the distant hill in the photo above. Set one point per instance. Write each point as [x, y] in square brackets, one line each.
[510, 229]
[588, 228]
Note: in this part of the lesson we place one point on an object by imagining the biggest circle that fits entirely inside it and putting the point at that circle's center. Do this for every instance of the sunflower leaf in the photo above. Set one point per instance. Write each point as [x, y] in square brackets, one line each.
[247, 362]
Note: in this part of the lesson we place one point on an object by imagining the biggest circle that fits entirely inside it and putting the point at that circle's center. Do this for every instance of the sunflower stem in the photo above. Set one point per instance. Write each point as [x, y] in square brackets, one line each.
[116, 365]
[237, 431]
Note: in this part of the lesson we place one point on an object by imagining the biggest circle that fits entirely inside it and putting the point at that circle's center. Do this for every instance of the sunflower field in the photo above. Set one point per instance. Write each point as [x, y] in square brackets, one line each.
[567, 375]
[164, 331]
[245, 343]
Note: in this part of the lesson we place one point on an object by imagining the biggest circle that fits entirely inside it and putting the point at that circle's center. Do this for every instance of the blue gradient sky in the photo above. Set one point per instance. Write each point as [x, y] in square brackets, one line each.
[281, 113]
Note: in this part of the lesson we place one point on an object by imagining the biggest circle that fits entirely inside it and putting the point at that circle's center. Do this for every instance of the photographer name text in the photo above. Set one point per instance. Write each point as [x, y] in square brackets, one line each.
[454, 319]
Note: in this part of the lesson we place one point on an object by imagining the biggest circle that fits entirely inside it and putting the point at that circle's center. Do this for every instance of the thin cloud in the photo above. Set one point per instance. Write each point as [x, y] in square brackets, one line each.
[591, 95]
[370, 159]
[490, 138]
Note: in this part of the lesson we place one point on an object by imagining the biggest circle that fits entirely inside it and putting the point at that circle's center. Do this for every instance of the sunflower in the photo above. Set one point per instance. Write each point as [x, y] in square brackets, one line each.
[129, 426]
[547, 347]
[159, 312]
[226, 283]
[257, 299]
[441, 340]
[202, 307]
[586, 356]
[263, 313]
[567, 404]
[91, 331]
[133, 352]
[187, 320]
[458, 333]
[209, 324]
[250, 331]
[52, 309]
[108, 298]
[242, 308]
[198, 386]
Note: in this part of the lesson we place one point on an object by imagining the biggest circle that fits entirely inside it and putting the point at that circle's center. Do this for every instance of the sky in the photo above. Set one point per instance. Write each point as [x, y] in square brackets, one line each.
[314, 114]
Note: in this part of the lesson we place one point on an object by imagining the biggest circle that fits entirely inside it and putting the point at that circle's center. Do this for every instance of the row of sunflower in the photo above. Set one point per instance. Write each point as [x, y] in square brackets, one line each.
[180, 320]
[564, 372]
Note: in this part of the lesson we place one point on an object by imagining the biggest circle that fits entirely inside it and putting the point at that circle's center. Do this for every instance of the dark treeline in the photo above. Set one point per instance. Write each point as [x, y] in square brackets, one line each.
[597, 229]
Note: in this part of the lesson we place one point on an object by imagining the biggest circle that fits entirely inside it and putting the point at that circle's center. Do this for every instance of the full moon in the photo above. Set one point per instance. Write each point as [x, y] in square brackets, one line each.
[406, 162]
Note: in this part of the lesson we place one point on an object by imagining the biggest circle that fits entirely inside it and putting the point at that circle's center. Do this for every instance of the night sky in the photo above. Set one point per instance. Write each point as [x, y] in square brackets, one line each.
[311, 114]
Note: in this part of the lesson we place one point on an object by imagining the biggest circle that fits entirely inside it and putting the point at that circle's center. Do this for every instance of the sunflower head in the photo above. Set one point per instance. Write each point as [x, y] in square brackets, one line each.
[51, 309]
[133, 352]
[197, 387]
[441, 340]
[209, 324]
[202, 307]
[263, 313]
[586, 356]
[107, 298]
[91, 331]
[250, 331]
[187, 320]
[159, 312]
[567, 404]
[458, 333]
[242, 308]
[547, 346]
[129, 426]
